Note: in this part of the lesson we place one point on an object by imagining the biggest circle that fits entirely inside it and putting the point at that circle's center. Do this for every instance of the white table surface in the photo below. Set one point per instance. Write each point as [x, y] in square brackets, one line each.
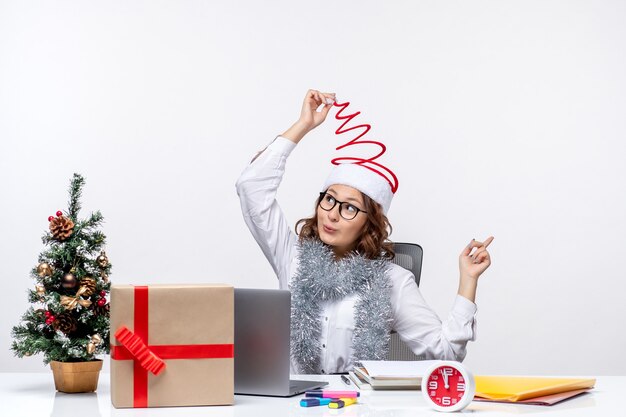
[33, 394]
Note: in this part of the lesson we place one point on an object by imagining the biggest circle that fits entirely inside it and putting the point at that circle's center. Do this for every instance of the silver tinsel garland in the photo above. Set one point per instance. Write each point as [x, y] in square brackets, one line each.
[319, 278]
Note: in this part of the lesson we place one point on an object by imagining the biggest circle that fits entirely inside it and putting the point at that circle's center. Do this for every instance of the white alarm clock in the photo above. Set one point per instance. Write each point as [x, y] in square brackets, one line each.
[448, 386]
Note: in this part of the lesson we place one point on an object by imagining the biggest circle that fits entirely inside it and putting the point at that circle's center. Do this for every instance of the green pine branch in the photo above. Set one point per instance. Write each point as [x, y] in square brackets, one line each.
[76, 192]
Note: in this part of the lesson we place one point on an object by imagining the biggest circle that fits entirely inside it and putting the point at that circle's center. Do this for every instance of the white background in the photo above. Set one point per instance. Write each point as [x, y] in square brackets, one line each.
[500, 117]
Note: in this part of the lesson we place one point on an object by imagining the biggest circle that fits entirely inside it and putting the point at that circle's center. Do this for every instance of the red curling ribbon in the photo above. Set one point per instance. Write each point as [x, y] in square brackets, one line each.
[369, 163]
[150, 357]
[139, 351]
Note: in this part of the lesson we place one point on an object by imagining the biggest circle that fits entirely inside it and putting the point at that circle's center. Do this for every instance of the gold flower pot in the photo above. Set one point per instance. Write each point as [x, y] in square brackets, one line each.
[76, 376]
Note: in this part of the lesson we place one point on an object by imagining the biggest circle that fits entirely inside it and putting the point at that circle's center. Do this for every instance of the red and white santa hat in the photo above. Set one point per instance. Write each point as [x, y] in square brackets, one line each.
[367, 181]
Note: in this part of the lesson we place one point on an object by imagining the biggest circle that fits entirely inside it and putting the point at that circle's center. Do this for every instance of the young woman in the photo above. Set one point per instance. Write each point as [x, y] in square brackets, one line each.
[346, 295]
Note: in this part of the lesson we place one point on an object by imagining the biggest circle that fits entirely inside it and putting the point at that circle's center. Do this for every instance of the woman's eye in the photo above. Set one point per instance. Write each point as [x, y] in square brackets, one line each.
[351, 208]
[330, 200]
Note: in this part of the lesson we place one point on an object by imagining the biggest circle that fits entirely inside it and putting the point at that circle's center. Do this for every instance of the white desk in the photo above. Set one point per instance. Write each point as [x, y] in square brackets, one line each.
[33, 394]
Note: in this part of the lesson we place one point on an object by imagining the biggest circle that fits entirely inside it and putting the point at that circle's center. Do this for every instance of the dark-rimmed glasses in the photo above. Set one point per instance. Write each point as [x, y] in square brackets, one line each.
[346, 210]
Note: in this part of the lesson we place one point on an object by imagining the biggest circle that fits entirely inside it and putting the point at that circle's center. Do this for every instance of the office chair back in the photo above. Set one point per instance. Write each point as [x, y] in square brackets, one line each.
[408, 256]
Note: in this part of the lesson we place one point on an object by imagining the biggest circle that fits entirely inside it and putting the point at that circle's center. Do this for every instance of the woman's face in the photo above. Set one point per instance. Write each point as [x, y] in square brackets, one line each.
[335, 230]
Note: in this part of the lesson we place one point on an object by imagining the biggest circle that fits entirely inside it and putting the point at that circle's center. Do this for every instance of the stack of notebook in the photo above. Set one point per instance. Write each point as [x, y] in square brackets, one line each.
[405, 375]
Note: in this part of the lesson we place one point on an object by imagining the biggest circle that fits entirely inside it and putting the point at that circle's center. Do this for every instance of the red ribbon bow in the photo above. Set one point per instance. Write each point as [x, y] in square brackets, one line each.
[147, 359]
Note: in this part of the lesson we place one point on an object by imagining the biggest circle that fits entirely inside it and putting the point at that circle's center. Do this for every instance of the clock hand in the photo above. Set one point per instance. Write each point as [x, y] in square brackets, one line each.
[445, 378]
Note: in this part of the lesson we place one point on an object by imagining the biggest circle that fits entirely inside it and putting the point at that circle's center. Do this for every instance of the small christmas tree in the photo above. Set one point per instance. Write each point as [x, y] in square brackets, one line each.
[71, 321]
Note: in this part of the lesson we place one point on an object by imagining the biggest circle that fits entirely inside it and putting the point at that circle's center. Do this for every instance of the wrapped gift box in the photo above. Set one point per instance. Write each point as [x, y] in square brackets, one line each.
[174, 345]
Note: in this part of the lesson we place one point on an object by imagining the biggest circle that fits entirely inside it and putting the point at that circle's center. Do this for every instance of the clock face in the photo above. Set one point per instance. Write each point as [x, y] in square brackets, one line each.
[448, 387]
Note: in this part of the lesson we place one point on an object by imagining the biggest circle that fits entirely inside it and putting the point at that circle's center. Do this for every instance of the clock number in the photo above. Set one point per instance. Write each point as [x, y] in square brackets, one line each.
[432, 385]
[460, 386]
[446, 401]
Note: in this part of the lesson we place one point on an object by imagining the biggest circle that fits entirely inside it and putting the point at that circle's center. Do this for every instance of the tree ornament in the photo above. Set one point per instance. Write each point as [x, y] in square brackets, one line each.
[44, 270]
[61, 228]
[103, 293]
[104, 277]
[96, 339]
[42, 314]
[50, 218]
[59, 213]
[65, 323]
[102, 302]
[70, 303]
[101, 310]
[91, 348]
[41, 290]
[102, 260]
[69, 281]
[89, 284]
[50, 319]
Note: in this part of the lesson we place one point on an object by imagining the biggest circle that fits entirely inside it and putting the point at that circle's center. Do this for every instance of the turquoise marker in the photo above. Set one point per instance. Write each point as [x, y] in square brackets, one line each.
[314, 402]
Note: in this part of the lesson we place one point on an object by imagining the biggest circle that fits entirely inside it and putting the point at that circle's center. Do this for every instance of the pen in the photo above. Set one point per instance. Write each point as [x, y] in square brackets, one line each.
[332, 394]
[346, 380]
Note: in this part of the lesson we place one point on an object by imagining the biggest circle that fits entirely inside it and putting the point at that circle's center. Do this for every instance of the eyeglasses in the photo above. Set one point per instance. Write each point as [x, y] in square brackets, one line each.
[346, 210]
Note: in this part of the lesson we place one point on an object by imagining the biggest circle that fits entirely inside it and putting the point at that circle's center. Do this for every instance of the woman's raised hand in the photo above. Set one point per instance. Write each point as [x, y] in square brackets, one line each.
[310, 118]
[472, 263]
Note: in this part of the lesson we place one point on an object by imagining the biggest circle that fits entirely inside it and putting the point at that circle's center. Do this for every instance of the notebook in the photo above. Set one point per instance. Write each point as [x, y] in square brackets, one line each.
[393, 374]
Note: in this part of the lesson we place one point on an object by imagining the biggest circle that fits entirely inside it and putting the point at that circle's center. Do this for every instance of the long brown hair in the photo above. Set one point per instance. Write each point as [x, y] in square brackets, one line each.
[373, 242]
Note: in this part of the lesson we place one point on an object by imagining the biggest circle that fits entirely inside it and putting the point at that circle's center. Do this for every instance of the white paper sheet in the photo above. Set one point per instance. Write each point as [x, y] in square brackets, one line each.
[397, 369]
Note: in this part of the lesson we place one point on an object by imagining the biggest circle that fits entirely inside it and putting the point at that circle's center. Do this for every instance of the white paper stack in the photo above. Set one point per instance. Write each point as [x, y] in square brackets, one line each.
[390, 374]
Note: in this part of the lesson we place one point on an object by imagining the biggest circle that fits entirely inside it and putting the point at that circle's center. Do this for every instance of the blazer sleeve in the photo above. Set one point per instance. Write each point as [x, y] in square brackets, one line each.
[257, 187]
[420, 327]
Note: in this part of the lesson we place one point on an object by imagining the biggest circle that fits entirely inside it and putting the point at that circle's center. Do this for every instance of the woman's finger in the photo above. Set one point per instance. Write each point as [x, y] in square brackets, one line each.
[309, 101]
[472, 245]
[481, 258]
[478, 252]
[320, 97]
[488, 241]
[326, 109]
[476, 244]
[466, 250]
[329, 96]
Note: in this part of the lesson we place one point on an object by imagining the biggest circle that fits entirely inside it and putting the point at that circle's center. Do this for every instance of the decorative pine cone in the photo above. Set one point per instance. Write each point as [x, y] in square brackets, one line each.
[65, 323]
[61, 227]
[89, 284]
[41, 313]
[101, 310]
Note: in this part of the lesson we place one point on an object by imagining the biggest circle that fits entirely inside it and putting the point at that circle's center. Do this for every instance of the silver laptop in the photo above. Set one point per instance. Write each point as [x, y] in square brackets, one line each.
[262, 327]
